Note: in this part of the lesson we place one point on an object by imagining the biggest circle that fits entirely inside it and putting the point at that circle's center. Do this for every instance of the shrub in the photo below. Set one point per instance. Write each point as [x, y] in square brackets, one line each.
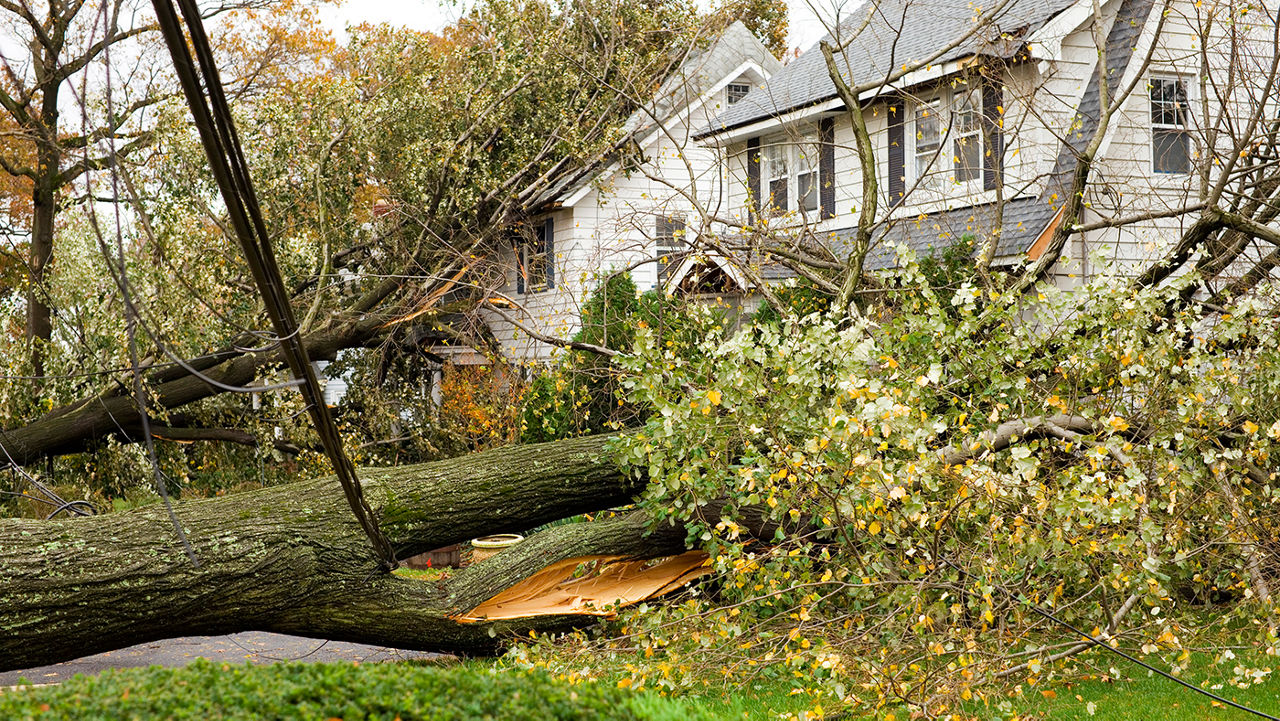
[583, 394]
[890, 502]
[208, 690]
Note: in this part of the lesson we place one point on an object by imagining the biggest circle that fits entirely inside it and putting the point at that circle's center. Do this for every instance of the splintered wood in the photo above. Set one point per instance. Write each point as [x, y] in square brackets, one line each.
[590, 586]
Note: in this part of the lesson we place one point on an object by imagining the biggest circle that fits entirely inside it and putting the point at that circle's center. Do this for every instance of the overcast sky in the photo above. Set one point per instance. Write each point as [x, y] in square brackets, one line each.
[806, 29]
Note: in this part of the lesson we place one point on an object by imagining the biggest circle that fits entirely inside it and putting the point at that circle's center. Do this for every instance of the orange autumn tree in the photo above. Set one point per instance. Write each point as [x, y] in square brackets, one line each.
[481, 405]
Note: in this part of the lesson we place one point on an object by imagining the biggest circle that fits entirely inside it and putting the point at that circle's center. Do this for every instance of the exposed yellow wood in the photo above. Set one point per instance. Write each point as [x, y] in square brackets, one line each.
[590, 586]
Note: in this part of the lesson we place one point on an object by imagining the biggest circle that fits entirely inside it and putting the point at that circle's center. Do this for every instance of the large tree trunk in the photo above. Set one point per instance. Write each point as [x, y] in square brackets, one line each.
[44, 197]
[292, 558]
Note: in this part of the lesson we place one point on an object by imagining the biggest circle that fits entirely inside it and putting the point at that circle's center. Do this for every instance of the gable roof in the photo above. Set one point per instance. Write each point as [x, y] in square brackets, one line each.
[891, 34]
[701, 72]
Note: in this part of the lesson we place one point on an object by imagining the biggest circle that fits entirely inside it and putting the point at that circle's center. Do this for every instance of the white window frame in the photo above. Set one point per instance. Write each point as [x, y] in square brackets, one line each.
[535, 260]
[732, 88]
[808, 154]
[669, 233]
[926, 156]
[776, 174]
[792, 160]
[1184, 127]
[938, 164]
[966, 130]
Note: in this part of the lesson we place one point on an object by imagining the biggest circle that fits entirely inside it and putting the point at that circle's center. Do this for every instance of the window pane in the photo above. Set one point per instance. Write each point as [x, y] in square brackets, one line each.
[928, 128]
[807, 190]
[928, 136]
[924, 165]
[778, 195]
[536, 267]
[966, 111]
[535, 260]
[807, 152]
[776, 159]
[968, 158]
[669, 235]
[1169, 101]
[737, 91]
[1171, 151]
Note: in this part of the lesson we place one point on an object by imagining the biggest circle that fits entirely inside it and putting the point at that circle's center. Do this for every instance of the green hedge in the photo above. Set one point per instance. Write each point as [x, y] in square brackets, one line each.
[207, 690]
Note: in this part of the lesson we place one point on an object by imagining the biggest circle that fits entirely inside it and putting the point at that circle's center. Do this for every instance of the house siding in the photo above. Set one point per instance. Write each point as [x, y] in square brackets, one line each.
[1048, 100]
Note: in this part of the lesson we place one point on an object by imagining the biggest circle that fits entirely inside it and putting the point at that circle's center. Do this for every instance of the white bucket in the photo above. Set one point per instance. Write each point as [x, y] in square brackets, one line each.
[482, 548]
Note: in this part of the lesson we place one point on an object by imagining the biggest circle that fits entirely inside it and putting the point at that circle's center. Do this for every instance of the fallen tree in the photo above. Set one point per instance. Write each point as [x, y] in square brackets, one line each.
[77, 426]
[292, 558]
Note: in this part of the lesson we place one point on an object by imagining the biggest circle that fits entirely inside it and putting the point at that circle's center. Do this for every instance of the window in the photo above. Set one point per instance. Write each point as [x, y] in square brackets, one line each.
[777, 176]
[668, 235]
[966, 132]
[953, 120]
[807, 176]
[1170, 132]
[928, 135]
[736, 92]
[536, 259]
[791, 170]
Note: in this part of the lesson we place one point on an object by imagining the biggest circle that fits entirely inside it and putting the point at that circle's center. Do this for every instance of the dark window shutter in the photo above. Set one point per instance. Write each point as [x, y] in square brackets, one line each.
[753, 177]
[549, 247]
[897, 151]
[827, 168]
[993, 133]
[521, 246]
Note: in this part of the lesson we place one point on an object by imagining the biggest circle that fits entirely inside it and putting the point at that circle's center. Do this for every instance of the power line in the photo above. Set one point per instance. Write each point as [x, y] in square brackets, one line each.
[213, 120]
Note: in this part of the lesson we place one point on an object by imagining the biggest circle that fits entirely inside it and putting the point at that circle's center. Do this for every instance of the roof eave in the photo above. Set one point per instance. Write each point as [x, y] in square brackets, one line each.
[759, 124]
[1045, 43]
[754, 126]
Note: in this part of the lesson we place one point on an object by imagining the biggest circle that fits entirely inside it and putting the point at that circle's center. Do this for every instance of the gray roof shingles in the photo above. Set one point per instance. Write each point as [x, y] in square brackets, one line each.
[900, 32]
[1022, 221]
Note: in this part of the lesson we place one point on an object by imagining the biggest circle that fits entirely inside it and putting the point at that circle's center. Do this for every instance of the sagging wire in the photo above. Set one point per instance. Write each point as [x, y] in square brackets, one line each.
[79, 508]
[1094, 640]
[202, 86]
[131, 314]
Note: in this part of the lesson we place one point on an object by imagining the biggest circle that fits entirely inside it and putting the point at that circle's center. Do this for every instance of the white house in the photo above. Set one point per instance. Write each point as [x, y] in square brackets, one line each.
[982, 133]
[621, 216]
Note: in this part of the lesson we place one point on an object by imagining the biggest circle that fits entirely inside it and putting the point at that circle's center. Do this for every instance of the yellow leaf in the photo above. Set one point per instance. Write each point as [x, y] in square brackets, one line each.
[873, 528]
[714, 397]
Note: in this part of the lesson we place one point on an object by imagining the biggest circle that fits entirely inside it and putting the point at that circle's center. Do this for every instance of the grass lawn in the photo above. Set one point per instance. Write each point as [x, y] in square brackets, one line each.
[1094, 691]
[1091, 695]
[384, 690]
[1143, 696]
[764, 701]
[1088, 692]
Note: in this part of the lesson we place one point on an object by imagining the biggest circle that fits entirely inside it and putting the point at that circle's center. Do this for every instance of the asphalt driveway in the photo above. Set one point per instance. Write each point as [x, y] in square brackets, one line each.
[254, 646]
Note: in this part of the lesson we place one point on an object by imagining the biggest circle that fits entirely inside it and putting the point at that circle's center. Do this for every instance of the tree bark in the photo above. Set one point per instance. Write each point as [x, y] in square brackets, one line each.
[292, 559]
[39, 314]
